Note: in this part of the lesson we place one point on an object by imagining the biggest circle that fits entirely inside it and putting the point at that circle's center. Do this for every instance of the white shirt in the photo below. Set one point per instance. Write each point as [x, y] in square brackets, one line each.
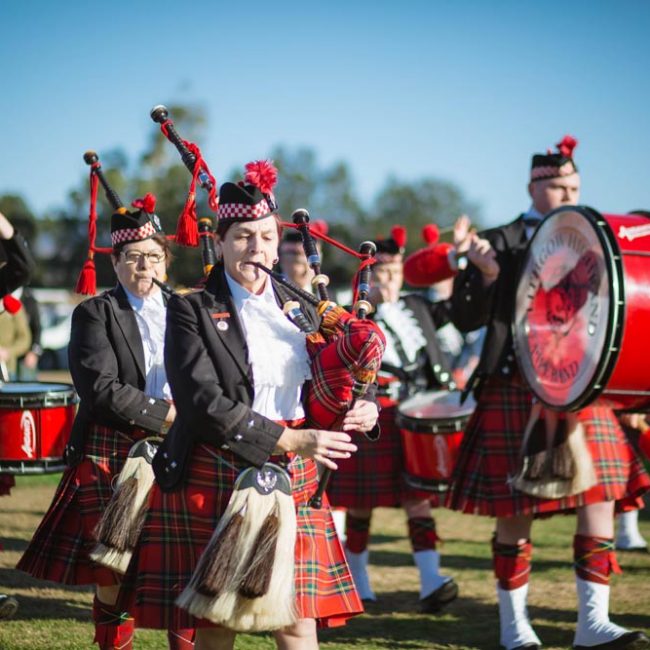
[151, 317]
[277, 352]
[532, 214]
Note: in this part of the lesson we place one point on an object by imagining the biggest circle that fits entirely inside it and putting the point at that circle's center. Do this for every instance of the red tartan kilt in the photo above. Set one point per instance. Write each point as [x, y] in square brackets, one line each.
[180, 523]
[373, 477]
[60, 548]
[489, 455]
[7, 481]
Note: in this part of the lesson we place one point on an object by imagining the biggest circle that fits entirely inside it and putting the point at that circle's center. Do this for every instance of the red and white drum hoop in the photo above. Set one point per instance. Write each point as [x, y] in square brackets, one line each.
[582, 314]
[35, 423]
[431, 426]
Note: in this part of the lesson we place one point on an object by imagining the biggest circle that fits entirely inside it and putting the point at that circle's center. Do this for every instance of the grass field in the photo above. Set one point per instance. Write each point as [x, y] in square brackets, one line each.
[52, 618]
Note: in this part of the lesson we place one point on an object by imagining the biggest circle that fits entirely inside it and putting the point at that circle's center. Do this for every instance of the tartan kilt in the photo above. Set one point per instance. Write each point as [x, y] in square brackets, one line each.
[373, 477]
[180, 523]
[61, 546]
[490, 450]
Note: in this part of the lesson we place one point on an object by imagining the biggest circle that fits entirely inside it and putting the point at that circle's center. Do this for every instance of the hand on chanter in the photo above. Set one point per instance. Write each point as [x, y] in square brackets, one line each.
[323, 446]
[361, 417]
[484, 257]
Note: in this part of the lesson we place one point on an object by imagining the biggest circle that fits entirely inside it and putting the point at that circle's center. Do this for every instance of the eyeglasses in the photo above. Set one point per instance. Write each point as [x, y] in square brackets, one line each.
[133, 257]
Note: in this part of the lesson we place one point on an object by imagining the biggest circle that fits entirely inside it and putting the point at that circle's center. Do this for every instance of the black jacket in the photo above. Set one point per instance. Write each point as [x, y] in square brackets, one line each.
[107, 366]
[474, 306]
[16, 264]
[212, 382]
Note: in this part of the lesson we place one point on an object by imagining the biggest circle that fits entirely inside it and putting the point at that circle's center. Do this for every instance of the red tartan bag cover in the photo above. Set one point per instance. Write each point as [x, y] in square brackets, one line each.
[345, 357]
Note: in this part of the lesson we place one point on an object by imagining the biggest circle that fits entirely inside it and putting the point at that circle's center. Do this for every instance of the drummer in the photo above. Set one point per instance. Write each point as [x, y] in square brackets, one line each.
[484, 295]
[116, 362]
[16, 265]
[373, 478]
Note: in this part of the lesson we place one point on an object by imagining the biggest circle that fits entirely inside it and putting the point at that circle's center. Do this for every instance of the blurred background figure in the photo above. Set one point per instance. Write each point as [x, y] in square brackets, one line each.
[292, 259]
[28, 363]
[15, 337]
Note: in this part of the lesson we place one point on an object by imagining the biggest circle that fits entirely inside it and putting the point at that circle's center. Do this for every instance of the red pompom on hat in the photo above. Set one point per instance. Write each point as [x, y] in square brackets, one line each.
[11, 304]
[251, 199]
[554, 165]
[393, 245]
[430, 233]
[319, 226]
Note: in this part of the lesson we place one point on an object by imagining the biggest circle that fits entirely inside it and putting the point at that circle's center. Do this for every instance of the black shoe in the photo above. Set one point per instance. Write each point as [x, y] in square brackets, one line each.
[437, 599]
[529, 646]
[629, 640]
[8, 606]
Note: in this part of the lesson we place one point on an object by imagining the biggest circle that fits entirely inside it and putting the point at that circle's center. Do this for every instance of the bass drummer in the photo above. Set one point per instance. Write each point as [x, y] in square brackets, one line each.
[482, 483]
[373, 478]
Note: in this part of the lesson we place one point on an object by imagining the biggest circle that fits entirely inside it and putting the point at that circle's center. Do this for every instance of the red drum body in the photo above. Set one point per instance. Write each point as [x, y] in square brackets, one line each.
[35, 422]
[431, 427]
[583, 310]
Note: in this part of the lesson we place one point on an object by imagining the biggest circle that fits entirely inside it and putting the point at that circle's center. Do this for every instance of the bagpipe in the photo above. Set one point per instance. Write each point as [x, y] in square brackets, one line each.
[244, 577]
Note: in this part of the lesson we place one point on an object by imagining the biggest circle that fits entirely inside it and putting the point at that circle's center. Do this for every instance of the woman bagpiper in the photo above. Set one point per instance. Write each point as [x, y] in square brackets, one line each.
[237, 366]
[117, 365]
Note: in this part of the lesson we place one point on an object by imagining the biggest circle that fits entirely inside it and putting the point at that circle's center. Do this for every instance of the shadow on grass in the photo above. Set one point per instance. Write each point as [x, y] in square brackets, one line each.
[15, 579]
[14, 544]
[394, 622]
[455, 561]
[33, 607]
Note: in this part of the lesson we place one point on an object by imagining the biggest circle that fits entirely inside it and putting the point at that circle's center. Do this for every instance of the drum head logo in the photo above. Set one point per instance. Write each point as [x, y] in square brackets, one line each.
[562, 308]
[28, 429]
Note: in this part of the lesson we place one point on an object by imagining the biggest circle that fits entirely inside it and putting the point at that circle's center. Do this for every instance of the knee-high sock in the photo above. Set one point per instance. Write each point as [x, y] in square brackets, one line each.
[628, 535]
[358, 563]
[113, 628]
[182, 639]
[511, 563]
[512, 569]
[422, 533]
[595, 560]
[357, 530]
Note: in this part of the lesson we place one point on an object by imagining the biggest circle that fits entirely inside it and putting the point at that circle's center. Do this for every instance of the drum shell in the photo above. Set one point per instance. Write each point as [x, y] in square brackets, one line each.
[430, 457]
[35, 427]
[629, 384]
[431, 429]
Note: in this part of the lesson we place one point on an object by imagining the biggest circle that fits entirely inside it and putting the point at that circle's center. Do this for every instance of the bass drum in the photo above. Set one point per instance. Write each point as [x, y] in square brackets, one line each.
[35, 423]
[582, 314]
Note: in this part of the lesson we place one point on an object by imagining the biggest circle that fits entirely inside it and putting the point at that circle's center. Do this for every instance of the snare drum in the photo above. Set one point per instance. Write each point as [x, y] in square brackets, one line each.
[35, 422]
[583, 310]
[431, 427]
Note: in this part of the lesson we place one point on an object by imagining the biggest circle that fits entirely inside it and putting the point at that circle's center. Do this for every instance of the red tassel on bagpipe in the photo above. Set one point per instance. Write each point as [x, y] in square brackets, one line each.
[187, 228]
[87, 281]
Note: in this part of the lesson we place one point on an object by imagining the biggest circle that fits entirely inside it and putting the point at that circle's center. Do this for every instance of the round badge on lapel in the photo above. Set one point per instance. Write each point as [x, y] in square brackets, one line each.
[222, 325]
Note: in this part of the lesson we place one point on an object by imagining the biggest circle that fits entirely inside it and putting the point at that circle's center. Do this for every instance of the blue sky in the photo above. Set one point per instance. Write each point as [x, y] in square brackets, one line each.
[462, 90]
